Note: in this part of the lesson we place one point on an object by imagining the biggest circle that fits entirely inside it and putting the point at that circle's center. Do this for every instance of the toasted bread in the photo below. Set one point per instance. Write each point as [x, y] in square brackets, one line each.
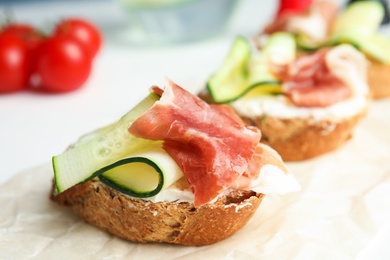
[174, 222]
[379, 79]
[298, 139]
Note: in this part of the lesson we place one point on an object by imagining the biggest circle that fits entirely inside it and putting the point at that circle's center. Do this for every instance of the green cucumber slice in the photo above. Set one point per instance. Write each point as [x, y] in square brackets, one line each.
[82, 162]
[261, 90]
[377, 47]
[280, 45]
[359, 20]
[259, 74]
[305, 44]
[358, 25]
[243, 71]
[93, 134]
[96, 133]
[142, 174]
[231, 78]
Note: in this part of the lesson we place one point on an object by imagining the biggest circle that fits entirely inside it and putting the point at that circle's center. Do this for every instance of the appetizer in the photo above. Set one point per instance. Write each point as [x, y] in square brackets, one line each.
[323, 25]
[305, 106]
[174, 169]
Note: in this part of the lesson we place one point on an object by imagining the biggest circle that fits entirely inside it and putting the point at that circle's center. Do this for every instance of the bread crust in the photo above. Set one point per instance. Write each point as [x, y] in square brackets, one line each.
[165, 222]
[379, 79]
[299, 139]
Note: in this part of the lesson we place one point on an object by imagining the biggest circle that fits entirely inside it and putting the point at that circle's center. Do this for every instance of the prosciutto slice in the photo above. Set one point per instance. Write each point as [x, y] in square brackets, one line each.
[326, 77]
[212, 147]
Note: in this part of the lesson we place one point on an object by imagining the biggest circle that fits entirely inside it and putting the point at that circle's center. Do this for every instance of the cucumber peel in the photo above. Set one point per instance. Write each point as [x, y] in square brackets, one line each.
[101, 148]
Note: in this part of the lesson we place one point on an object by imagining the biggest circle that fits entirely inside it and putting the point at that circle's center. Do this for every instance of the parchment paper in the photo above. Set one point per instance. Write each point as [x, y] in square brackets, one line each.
[342, 212]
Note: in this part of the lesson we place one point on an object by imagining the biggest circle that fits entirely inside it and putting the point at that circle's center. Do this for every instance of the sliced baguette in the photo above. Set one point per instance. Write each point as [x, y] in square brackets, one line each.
[299, 139]
[144, 221]
[379, 79]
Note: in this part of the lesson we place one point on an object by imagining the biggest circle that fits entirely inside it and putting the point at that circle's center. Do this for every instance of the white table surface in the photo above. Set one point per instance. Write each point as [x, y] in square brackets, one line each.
[34, 127]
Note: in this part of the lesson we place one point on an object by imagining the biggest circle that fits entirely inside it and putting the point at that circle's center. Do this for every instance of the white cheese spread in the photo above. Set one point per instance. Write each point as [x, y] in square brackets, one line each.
[271, 180]
[279, 107]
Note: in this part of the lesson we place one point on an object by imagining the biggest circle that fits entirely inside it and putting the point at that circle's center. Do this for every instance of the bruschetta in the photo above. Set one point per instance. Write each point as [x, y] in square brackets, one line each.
[324, 24]
[304, 105]
[174, 169]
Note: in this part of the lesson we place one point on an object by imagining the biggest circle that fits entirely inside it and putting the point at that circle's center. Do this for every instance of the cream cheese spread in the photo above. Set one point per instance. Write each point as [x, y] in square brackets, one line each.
[271, 180]
[278, 106]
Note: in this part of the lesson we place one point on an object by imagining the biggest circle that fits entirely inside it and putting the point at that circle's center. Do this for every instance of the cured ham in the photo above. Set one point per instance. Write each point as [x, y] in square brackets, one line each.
[264, 155]
[325, 77]
[314, 22]
[228, 110]
[210, 144]
[350, 66]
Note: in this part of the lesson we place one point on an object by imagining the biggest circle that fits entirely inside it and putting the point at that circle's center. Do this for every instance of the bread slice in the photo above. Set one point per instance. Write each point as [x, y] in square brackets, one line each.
[144, 221]
[379, 79]
[297, 139]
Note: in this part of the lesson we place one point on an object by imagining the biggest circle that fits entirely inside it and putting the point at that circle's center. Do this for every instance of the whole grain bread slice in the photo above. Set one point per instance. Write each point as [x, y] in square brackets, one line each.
[379, 79]
[299, 139]
[175, 222]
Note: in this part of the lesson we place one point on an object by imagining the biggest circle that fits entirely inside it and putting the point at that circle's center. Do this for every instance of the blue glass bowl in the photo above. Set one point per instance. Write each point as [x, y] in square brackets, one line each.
[173, 21]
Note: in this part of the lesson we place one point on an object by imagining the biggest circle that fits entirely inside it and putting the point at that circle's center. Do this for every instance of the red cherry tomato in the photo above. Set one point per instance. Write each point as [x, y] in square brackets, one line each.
[15, 63]
[29, 34]
[293, 6]
[82, 31]
[62, 64]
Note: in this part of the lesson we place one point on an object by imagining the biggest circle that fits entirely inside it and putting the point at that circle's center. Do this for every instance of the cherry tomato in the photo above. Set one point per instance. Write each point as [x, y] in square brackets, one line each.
[62, 64]
[15, 63]
[82, 31]
[293, 6]
[29, 34]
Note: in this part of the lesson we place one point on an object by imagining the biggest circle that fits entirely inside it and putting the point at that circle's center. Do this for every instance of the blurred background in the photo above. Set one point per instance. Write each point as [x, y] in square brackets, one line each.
[150, 15]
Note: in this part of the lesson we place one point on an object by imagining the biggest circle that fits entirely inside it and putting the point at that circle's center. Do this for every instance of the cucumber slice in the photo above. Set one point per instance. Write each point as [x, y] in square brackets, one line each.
[96, 133]
[142, 174]
[231, 79]
[82, 162]
[359, 20]
[242, 71]
[265, 89]
[377, 47]
[358, 26]
[280, 46]
[386, 17]
[259, 73]
[304, 43]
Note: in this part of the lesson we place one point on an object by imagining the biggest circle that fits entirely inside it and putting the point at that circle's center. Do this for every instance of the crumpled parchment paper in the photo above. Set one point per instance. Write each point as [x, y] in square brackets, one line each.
[342, 212]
